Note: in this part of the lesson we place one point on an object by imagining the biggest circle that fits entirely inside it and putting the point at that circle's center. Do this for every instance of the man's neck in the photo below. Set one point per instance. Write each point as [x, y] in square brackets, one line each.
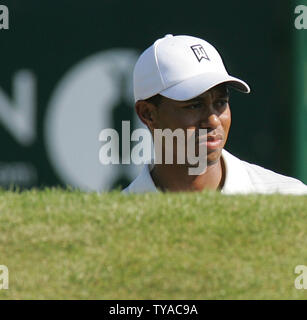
[176, 178]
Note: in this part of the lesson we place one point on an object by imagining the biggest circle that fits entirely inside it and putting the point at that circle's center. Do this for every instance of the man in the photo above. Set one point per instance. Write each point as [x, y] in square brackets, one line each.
[181, 82]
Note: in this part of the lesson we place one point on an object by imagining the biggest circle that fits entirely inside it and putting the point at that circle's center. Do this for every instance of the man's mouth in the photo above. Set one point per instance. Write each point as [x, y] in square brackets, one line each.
[211, 141]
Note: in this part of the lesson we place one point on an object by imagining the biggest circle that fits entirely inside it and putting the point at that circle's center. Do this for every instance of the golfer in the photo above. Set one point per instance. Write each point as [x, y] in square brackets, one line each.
[180, 82]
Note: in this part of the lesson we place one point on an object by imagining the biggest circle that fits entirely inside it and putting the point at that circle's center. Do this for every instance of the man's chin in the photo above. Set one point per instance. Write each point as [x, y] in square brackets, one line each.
[213, 156]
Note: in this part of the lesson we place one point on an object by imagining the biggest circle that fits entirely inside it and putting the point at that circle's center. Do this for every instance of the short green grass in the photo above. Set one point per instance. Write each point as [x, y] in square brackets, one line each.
[62, 244]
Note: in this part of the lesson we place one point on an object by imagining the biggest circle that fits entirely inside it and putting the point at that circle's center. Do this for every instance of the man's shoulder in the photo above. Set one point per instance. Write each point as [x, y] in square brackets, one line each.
[268, 181]
[142, 183]
[244, 177]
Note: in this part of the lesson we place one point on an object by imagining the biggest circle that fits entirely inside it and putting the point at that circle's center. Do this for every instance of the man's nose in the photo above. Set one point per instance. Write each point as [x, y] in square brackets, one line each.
[210, 119]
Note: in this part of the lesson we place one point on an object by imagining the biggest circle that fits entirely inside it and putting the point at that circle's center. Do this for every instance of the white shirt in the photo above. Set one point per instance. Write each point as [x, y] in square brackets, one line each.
[241, 178]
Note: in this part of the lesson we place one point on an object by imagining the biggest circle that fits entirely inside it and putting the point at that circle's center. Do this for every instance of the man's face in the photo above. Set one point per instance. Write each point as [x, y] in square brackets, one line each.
[209, 110]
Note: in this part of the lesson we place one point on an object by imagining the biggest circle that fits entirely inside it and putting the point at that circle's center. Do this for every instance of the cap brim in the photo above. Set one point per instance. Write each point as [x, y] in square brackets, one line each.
[193, 87]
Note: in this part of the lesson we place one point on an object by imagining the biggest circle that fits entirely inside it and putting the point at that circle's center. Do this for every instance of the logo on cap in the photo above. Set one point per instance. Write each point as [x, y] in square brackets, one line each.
[199, 52]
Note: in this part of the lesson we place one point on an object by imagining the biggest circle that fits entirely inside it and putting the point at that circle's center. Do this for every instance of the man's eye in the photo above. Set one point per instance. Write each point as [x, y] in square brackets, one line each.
[193, 106]
[221, 103]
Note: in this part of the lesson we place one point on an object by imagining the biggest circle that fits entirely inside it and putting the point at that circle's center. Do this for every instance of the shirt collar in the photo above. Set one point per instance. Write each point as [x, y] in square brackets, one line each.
[236, 177]
[144, 182]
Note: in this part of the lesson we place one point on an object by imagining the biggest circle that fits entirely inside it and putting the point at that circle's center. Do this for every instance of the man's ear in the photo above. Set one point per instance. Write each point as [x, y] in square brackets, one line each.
[147, 112]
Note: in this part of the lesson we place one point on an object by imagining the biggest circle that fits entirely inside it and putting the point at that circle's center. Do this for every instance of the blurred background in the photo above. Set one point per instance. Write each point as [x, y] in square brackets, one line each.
[66, 74]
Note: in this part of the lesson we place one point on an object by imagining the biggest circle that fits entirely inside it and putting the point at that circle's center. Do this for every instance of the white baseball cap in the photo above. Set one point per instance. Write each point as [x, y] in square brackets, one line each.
[180, 68]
